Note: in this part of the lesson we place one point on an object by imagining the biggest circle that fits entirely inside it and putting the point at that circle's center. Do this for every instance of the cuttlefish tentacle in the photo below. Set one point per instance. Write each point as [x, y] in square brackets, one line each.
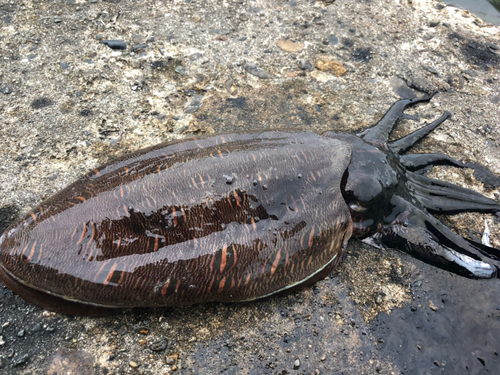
[423, 236]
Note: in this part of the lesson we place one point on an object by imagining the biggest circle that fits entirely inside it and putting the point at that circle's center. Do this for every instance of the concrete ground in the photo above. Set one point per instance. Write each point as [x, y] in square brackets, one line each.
[69, 103]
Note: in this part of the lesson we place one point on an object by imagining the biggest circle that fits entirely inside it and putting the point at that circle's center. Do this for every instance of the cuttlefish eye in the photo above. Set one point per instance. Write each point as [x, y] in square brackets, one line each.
[357, 207]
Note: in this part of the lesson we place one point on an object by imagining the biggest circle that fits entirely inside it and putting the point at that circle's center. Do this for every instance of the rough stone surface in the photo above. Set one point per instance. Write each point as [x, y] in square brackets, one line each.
[372, 314]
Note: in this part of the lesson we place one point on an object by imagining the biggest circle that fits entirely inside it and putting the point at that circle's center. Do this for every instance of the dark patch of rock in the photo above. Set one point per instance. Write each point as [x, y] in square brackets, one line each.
[41, 103]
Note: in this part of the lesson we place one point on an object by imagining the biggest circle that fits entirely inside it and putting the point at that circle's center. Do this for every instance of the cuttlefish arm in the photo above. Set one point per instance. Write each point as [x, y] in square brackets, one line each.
[421, 235]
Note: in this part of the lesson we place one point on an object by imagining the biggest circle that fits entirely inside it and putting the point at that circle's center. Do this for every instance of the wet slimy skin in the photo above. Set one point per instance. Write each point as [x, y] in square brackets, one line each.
[236, 217]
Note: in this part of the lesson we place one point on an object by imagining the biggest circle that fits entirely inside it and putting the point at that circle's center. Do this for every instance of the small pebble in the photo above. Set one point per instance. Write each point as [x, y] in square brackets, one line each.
[195, 56]
[306, 65]
[289, 46]
[138, 47]
[172, 358]
[222, 31]
[430, 69]
[492, 46]
[256, 71]
[296, 364]
[133, 364]
[114, 44]
[138, 39]
[159, 345]
[336, 67]
[333, 40]
[5, 89]
[195, 104]
[180, 70]
[169, 360]
[21, 360]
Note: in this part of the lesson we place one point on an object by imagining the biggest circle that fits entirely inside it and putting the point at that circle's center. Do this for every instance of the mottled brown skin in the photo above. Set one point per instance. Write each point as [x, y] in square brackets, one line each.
[227, 218]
